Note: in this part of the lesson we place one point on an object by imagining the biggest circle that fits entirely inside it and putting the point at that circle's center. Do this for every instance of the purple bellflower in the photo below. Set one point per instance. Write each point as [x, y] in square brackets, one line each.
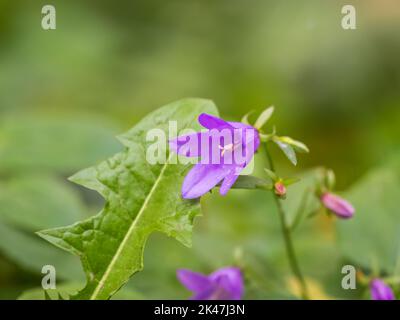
[380, 290]
[223, 284]
[340, 207]
[224, 149]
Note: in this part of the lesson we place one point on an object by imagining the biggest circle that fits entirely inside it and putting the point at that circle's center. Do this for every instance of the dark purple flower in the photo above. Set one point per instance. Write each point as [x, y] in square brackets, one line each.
[223, 284]
[339, 206]
[380, 290]
[224, 150]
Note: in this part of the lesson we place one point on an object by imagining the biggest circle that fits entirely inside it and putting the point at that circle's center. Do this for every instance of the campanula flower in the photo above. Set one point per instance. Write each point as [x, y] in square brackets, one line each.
[223, 284]
[224, 149]
[380, 290]
[339, 206]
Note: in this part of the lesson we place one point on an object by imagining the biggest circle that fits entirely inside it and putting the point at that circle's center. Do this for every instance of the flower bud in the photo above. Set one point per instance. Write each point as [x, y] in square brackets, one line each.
[330, 179]
[280, 189]
[339, 206]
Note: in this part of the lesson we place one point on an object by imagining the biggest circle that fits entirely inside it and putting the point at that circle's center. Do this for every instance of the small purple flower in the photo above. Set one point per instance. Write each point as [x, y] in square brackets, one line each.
[380, 290]
[339, 206]
[223, 284]
[224, 149]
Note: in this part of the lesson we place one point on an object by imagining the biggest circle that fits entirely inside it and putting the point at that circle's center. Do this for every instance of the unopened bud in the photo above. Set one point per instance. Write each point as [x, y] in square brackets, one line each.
[280, 189]
[340, 207]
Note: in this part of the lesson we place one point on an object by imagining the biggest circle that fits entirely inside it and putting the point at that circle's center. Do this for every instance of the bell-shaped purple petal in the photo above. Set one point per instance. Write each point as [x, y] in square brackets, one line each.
[193, 281]
[201, 179]
[224, 151]
[223, 284]
[380, 290]
[250, 141]
[211, 122]
[231, 279]
[228, 182]
[339, 206]
[208, 294]
[188, 145]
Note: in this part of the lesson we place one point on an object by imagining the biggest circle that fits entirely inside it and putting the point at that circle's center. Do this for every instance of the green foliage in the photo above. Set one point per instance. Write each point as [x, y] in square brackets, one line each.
[66, 290]
[248, 221]
[264, 117]
[251, 182]
[140, 199]
[56, 89]
[287, 149]
[33, 142]
[34, 202]
[297, 145]
[372, 238]
[32, 254]
[301, 195]
[272, 175]
[243, 229]
[33, 149]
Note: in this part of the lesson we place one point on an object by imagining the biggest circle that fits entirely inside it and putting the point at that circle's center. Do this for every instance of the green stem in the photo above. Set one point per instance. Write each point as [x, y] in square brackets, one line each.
[288, 238]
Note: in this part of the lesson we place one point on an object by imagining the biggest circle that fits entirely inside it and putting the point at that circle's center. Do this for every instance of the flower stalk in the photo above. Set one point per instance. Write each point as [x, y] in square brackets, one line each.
[287, 236]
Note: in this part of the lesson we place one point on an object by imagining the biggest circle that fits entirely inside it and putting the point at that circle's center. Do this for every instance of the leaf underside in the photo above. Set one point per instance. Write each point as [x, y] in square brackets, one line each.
[141, 198]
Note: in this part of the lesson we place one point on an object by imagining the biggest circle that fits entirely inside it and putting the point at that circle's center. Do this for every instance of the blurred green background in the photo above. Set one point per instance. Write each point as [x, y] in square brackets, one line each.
[66, 93]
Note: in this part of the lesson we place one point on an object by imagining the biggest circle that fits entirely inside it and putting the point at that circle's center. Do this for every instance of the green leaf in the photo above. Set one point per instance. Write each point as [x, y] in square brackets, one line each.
[264, 117]
[303, 190]
[36, 202]
[245, 118]
[30, 203]
[140, 199]
[290, 181]
[297, 145]
[251, 182]
[50, 143]
[330, 179]
[65, 290]
[271, 174]
[287, 150]
[31, 254]
[372, 236]
[47, 296]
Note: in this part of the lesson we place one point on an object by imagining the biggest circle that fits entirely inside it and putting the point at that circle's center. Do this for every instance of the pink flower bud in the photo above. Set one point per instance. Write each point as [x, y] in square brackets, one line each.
[339, 206]
[280, 189]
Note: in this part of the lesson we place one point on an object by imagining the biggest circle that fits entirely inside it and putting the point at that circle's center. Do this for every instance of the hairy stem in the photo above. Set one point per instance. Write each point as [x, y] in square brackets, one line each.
[287, 236]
